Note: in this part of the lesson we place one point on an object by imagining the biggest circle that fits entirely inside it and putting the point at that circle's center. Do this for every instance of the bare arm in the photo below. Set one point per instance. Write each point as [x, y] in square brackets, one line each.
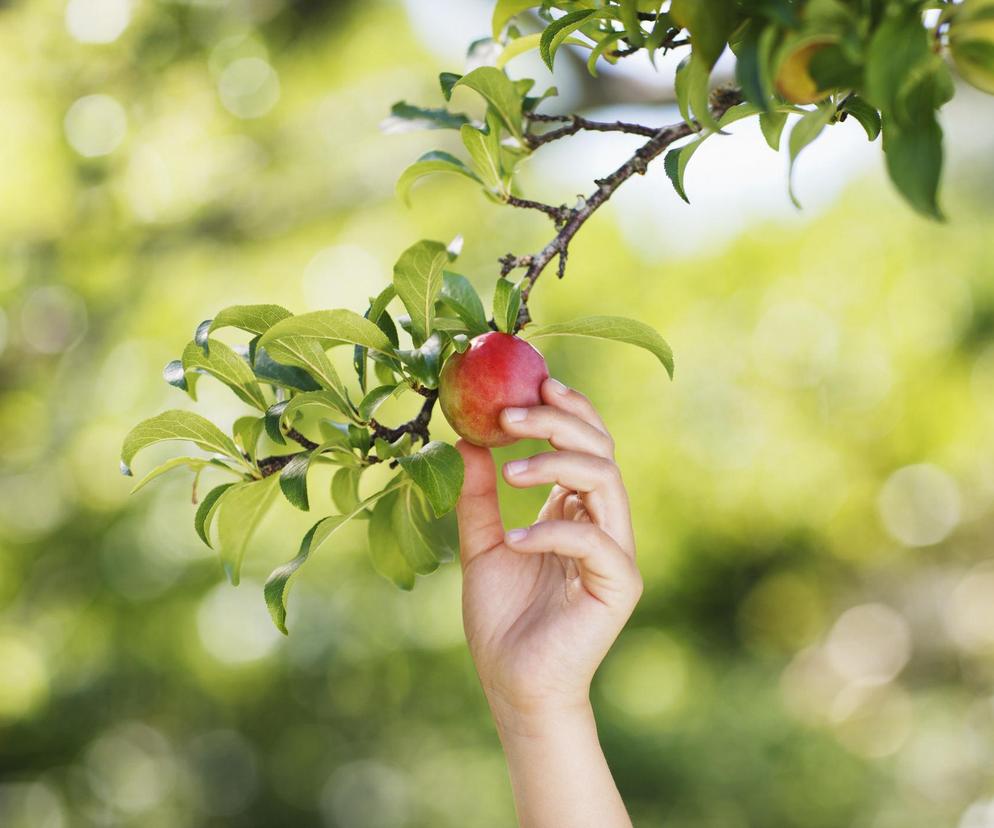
[543, 604]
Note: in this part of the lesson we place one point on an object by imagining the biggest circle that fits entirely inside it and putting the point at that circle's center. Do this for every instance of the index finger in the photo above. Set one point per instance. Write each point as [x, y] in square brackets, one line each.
[569, 399]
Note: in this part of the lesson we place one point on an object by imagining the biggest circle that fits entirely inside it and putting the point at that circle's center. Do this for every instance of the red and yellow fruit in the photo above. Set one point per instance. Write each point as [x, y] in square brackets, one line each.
[793, 78]
[497, 371]
[971, 43]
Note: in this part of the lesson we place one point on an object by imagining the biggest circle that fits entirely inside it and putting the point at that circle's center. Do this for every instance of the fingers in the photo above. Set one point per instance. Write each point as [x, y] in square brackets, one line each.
[556, 394]
[597, 479]
[606, 571]
[480, 527]
[563, 429]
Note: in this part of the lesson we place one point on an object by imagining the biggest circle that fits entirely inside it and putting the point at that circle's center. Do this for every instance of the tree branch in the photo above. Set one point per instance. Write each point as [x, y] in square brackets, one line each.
[568, 222]
[661, 138]
[576, 123]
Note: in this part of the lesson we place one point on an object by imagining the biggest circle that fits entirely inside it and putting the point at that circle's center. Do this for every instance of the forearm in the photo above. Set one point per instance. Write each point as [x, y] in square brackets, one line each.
[558, 772]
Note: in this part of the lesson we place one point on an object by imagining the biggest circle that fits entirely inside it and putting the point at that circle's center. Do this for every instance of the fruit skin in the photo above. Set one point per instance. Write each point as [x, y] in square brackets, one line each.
[971, 42]
[794, 81]
[497, 371]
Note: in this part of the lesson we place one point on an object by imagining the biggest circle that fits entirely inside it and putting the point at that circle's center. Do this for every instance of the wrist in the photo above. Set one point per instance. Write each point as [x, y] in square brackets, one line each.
[539, 719]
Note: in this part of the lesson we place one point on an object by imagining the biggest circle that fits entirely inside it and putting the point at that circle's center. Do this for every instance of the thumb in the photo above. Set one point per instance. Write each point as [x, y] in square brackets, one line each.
[480, 526]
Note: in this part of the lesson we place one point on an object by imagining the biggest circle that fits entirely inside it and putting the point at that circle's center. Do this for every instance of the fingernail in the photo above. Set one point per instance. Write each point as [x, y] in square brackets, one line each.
[516, 535]
[515, 467]
[557, 386]
[515, 415]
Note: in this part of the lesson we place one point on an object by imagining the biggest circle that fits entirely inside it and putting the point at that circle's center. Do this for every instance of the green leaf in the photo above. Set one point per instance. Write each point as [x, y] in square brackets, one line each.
[293, 477]
[772, 124]
[605, 43]
[192, 463]
[345, 489]
[255, 319]
[268, 370]
[806, 130]
[504, 10]
[423, 363]
[900, 46]
[485, 160]
[374, 399]
[273, 421]
[681, 86]
[675, 163]
[205, 512]
[438, 469]
[752, 62]
[239, 516]
[222, 363]
[629, 10]
[328, 328]
[446, 80]
[618, 328]
[867, 116]
[307, 353]
[326, 401]
[247, 431]
[177, 425]
[429, 163]
[405, 117]
[461, 297]
[507, 302]
[175, 375]
[411, 520]
[417, 277]
[278, 584]
[914, 162]
[558, 30]
[516, 47]
[384, 547]
[499, 92]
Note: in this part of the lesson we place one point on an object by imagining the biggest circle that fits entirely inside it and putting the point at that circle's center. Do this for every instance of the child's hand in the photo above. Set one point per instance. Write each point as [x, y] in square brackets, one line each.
[543, 604]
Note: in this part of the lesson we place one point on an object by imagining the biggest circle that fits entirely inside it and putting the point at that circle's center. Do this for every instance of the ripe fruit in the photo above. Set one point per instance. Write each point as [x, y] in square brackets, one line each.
[794, 81]
[497, 371]
[971, 41]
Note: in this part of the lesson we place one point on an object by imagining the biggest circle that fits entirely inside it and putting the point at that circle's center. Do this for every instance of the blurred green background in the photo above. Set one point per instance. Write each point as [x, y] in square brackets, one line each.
[813, 495]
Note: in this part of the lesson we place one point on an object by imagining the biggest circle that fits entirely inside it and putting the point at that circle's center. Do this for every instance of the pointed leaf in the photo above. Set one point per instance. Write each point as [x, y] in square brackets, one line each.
[438, 469]
[176, 425]
[499, 92]
[485, 160]
[429, 163]
[239, 515]
[405, 117]
[417, 277]
[384, 547]
[328, 328]
[205, 512]
[460, 296]
[617, 328]
[192, 463]
[803, 133]
[224, 364]
[504, 10]
[255, 319]
[507, 302]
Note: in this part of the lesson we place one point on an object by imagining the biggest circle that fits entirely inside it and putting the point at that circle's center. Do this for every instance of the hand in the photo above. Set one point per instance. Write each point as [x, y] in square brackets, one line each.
[543, 604]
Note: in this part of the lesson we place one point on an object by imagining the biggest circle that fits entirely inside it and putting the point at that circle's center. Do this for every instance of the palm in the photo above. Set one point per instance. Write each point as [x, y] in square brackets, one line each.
[531, 624]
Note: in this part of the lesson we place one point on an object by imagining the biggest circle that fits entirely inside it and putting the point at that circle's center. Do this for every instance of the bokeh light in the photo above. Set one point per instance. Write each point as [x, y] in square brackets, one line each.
[96, 125]
[97, 21]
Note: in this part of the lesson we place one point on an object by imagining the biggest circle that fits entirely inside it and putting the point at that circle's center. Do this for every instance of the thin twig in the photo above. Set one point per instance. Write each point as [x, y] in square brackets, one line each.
[722, 100]
[560, 215]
